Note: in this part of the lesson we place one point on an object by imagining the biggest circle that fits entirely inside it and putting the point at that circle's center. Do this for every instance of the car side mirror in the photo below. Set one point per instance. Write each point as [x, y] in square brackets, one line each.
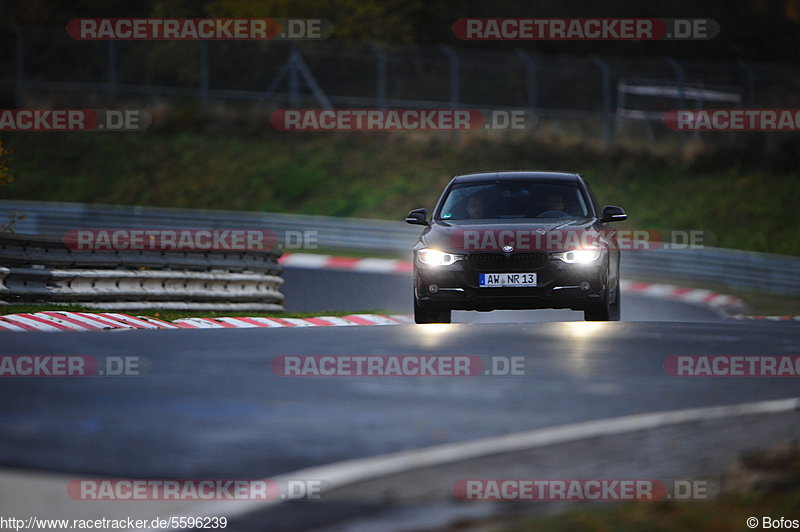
[612, 213]
[417, 217]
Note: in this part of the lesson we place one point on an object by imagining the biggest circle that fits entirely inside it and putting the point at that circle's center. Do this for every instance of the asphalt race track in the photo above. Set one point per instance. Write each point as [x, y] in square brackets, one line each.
[210, 406]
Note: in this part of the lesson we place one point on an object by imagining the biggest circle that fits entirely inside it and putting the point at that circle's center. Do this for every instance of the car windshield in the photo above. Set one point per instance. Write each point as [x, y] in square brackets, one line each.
[513, 200]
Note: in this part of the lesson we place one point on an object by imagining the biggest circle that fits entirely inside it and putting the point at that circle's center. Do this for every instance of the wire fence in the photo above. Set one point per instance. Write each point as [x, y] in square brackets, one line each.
[47, 64]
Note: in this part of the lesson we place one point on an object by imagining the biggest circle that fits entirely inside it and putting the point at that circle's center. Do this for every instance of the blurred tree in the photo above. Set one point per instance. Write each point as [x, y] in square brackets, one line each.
[393, 21]
[750, 29]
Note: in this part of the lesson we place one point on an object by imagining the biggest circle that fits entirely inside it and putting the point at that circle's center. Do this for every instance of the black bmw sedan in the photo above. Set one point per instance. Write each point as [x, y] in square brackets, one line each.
[517, 240]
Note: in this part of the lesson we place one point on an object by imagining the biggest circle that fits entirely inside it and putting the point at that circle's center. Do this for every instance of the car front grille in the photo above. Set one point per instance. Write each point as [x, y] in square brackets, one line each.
[528, 261]
[512, 261]
[487, 261]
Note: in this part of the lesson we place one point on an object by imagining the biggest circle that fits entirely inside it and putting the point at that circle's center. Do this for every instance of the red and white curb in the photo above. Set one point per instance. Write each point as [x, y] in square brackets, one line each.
[53, 321]
[726, 303]
[319, 321]
[329, 262]
[767, 318]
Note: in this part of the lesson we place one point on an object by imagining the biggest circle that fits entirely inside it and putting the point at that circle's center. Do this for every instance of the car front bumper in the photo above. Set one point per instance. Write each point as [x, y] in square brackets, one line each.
[559, 285]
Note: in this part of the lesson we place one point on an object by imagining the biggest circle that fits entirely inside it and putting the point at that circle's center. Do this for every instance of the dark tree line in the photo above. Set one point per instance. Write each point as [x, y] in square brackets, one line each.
[750, 29]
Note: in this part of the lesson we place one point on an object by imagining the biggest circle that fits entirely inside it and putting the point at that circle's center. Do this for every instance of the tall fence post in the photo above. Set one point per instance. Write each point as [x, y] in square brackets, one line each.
[112, 71]
[20, 82]
[751, 82]
[618, 124]
[530, 79]
[204, 74]
[380, 76]
[680, 75]
[607, 119]
[455, 89]
[294, 79]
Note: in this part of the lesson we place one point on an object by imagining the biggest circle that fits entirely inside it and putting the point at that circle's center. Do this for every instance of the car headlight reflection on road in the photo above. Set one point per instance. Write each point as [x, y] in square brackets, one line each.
[580, 256]
[434, 257]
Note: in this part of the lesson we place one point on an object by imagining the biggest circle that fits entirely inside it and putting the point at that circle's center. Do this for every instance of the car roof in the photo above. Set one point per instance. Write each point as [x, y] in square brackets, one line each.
[499, 176]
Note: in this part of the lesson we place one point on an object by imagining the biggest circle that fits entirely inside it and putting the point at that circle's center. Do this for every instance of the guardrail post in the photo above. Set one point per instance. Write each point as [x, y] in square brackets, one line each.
[380, 76]
[606, 73]
[455, 89]
[112, 71]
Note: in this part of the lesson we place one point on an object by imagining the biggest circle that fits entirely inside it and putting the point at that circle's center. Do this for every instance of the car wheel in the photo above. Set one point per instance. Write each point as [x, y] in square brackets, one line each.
[425, 314]
[607, 310]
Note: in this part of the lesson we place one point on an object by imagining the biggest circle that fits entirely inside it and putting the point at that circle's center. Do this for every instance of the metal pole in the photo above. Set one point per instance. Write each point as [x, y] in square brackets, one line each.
[455, 92]
[380, 76]
[606, 72]
[112, 71]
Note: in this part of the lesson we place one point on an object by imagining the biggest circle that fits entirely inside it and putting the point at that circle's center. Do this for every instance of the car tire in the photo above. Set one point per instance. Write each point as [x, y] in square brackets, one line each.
[426, 314]
[607, 310]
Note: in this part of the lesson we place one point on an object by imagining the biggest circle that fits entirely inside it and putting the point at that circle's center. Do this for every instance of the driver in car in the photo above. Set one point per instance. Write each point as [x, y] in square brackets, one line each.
[554, 207]
[555, 202]
[477, 207]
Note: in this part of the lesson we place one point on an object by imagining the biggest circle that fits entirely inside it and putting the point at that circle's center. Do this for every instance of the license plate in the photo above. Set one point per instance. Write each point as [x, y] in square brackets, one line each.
[488, 280]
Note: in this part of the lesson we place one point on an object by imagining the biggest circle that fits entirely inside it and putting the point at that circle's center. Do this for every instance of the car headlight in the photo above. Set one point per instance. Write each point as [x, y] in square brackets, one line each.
[580, 256]
[434, 257]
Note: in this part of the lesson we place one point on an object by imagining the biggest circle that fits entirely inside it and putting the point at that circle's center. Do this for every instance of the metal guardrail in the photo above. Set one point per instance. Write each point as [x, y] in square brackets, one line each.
[741, 269]
[38, 268]
[762, 272]
[55, 219]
